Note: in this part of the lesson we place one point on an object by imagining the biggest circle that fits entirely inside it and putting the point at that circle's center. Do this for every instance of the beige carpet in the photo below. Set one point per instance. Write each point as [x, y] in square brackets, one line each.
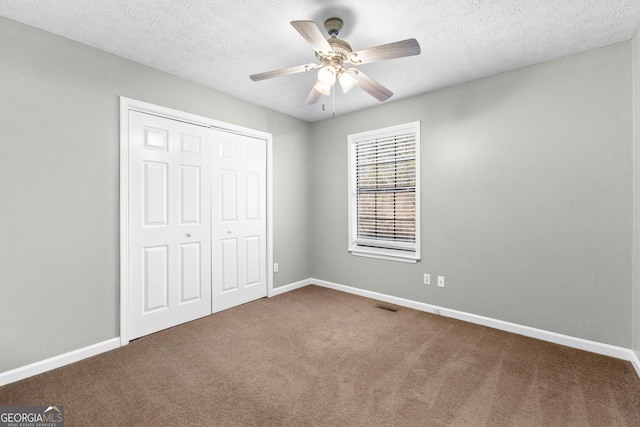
[315, 356]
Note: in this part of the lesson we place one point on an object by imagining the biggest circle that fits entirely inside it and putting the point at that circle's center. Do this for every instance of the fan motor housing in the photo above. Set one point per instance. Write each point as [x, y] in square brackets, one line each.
[340, 46]
[341, 50]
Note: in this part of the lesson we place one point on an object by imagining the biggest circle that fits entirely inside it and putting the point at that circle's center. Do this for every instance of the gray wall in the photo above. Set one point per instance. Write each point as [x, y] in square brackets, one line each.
[526, 197]
[59, 277]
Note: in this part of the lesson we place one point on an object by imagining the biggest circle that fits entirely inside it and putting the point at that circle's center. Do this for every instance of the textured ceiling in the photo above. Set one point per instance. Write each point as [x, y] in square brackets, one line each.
[219, 44]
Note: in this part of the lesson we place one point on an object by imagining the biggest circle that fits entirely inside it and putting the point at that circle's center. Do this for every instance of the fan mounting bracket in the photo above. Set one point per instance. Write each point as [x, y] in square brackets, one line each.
[333, 26]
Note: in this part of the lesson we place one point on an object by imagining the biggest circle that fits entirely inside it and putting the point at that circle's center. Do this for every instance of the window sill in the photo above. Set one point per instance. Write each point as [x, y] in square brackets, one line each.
[386, 254]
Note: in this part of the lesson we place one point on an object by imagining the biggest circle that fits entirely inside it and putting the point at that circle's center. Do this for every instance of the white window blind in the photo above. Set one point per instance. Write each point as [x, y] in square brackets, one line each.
[384, 185]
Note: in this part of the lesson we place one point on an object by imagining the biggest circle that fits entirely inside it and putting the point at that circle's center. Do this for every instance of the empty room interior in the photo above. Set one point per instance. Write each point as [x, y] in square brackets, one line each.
[524, 211]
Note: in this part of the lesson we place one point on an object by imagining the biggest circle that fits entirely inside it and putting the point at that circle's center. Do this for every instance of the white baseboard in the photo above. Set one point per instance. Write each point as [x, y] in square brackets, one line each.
[57, 361]
[566, 340]
[635, 362]
[290, 287]
[377, 296]
[541, 334]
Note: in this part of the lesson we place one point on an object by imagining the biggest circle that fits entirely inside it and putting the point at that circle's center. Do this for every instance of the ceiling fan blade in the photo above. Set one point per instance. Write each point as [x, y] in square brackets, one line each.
[283, 72]
[313, 97]
[312, 34]
[399, 49]
[371, 86]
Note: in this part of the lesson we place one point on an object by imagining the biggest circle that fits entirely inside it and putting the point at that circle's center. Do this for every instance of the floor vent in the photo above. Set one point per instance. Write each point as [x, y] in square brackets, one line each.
[384, 307]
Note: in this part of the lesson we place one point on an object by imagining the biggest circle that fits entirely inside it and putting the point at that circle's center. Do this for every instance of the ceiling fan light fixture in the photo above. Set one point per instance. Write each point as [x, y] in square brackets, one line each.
[323, 88]
[347, 81]
[327, 75]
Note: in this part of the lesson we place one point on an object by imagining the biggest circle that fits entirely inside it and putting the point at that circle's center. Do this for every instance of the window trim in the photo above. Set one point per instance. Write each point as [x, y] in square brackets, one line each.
[358, 247]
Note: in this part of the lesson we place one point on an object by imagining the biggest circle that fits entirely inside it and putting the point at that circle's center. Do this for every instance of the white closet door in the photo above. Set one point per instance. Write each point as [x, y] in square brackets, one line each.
[169, 223]
[239, 223]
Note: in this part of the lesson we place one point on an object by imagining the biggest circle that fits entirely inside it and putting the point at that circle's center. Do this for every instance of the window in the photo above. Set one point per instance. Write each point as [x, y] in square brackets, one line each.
[384, 195]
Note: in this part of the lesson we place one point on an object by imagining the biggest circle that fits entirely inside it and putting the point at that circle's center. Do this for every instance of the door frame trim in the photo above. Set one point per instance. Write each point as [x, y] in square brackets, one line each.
[128, 104]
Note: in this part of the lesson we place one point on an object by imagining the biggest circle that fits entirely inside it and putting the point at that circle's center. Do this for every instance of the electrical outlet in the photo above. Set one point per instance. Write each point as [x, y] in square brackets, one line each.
[441, 281]
[275, 267]
[427, 279]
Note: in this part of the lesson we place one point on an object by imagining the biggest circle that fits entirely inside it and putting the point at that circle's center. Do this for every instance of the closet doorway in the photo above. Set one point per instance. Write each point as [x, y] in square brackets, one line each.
[195, 217]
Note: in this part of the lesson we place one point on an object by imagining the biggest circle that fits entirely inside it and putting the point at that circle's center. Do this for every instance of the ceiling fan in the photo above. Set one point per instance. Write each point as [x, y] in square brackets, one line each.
[335, 55]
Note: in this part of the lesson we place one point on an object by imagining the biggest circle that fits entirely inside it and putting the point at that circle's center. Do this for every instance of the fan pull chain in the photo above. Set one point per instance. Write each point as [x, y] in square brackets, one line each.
[333, 103]
[333, 106]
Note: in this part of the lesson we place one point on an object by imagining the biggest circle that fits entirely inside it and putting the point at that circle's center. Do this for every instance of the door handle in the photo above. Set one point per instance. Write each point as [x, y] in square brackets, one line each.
[188, 234]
